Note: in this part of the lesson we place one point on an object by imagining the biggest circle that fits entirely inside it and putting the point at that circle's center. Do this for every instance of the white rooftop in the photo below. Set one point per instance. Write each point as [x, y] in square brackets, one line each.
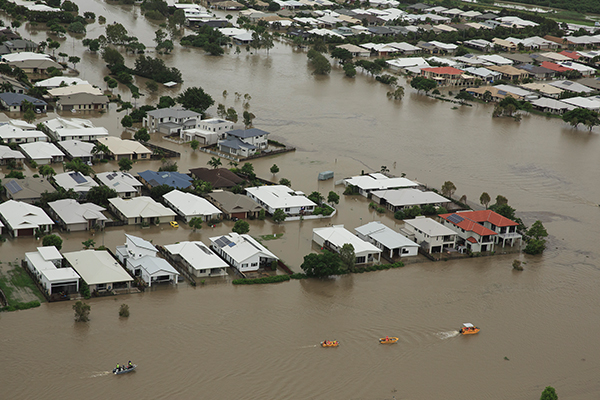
[23, 216]
[8, 153]
[121, 182]
[97, 267]
[429, 226]
[280, 196]
[75, 180]
[119, 146]
[338, 236]
[9, 131]
[190, 204]
[25, 55]
[71, 212]
[197, 254]
[73, 89]
[56, 81]
[377, 181]
[41, 150]
[409, 197]
[77, 148]
[154, 265]
[385, 235]
[143, 206]
[241, 247]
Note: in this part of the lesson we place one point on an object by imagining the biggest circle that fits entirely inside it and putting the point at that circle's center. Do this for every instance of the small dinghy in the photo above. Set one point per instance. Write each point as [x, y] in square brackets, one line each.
[124, 369]
[330, 343]
[388, 340]
[469, 329]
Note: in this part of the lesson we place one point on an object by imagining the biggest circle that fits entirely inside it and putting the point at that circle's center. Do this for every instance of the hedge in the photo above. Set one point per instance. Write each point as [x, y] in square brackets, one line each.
[257, 281]
[22, 306]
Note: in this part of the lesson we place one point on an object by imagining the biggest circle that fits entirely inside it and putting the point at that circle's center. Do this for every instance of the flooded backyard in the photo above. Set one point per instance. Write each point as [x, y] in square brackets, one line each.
[259, 342]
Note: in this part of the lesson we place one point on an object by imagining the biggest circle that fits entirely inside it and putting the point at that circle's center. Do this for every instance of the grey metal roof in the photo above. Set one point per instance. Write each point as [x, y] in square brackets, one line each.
[174, 112]
[247, 133]
[236, 143]
[15, 99]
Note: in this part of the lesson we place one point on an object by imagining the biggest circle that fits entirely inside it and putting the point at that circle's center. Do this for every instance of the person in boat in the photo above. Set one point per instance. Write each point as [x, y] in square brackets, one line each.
[129, 365]
[387, 338]
[118, 368]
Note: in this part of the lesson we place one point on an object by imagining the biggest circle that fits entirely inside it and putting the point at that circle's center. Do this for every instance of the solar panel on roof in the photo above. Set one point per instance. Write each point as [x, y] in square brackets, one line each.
[222, 241]
[204, 249]
[455, 219]
[110, 177]
[77, 177]
[13, 187]
[502, 92]
[568, 83]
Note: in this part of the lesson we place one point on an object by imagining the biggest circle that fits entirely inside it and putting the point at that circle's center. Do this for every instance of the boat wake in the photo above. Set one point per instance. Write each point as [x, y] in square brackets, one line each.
[447, 335]
[101, 373]
[308, 347]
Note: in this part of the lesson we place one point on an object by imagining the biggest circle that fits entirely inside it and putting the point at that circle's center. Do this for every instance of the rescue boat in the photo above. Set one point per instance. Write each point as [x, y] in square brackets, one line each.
[388, 340]
[469, 329]
[327, 343]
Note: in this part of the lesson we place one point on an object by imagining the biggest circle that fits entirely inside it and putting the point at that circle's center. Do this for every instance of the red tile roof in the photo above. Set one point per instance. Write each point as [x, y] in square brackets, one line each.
[570, 54]
[472, 221]
[470, 225]
[443, 70]
[554, 67]
[471, 239]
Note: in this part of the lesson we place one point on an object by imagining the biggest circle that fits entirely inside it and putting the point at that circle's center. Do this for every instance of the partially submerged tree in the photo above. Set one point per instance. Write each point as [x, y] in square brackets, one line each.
[52, 240]
[240, 227]
[82, 311]
[485, 199]
[448, 189]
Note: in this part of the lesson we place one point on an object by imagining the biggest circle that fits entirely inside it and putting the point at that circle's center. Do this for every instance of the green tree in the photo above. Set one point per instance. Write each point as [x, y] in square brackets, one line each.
[53, 44]
[349, 70]
[333, 198]
[195, 223]
[262, 214]
[324, 264]
[248, 169]
[274, 169]
[125, 164]
[241, 227]
[485, 199]
[342, 55]
[396, 94]
[152, 86]
[581, 116]
[195, 99]
[194, 144]
[319, 62]
[166, 102]
[116, 33]
[549, 394]
[52, 240]
[76, 27]
[422, 83]
[279, 215]
[77, 165]
[124, 311]
[215, 162]
[142, 135]
[100, 148]
[46, 171]
[501, 200]
[157, 192]
[29, 116]
[448, 189]
[88, 243]
[112, 56]
[100, 194]
[126, 121]
[248, 118]
[347, 256]
[82, 311]
[316, 197]
[231, 115]
[285, 182]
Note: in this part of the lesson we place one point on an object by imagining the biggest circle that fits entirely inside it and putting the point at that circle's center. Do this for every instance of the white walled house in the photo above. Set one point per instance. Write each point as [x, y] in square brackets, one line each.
[336, 236]
[366, 184]
[99, 270]
[62, 129]
[242, 252]
[140, 210]
[253, 136]
[78, 149]
[281, 197]
[400, 199]
[74, 217]
[11, 133]
[199, 259]
[42, 153]
[123, 183]
[188, 206]
[432, 236]
[391, 243]
[139, 257]
[46, 265]
[80, 183]
[22, 219]
[176, 117]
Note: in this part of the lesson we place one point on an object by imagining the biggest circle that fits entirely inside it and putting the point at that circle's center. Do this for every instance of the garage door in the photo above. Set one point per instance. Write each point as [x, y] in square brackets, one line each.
[25, 232]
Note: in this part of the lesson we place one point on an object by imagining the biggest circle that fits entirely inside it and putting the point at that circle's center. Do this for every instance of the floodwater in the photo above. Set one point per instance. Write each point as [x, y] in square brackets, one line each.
[219, 341]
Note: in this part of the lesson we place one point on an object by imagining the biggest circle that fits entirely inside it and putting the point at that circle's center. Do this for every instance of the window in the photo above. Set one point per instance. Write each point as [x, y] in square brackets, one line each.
[360, 260]
[254, 264]
[245, 265]
[286, 210]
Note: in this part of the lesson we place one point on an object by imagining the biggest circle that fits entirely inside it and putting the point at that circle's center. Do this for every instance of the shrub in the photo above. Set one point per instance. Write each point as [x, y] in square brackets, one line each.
[258, 281]
[124, 311]
[298, 275]
[22, 306]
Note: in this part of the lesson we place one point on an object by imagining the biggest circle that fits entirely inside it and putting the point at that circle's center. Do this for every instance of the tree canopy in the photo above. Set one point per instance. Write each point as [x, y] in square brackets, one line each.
[324, 264]
[319, 62]
[581, 116]
[241, 227]
[422, 83]
[195, 99]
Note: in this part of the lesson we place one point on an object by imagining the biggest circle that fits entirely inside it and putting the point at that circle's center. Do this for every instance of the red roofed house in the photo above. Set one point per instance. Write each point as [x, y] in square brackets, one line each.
[445, 76]
[571, 54]
[481, 230]
[555, 67]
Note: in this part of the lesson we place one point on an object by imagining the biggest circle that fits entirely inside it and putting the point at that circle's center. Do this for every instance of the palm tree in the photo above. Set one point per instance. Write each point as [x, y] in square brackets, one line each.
[100, 149]
[215, 162]
[6, 87]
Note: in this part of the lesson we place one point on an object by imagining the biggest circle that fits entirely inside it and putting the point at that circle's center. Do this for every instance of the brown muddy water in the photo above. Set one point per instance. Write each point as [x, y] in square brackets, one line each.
[220, 341]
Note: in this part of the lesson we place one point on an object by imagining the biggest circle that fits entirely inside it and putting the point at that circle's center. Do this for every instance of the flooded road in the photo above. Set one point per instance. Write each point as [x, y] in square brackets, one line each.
[539, 327]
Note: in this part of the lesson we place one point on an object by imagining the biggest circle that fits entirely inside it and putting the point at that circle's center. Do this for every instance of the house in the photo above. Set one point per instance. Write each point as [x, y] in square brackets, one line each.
[10, 133]
[31, 63]
[190, 206]
[68, 90]
[555, 67]
[22, 219]
[400, 199]
[481, 230]
[74, 217]
[61, 129]
[208, 131]
[60, 81]
[561, 42]
[509, 72]
[13, 102]
[495, 59]
[234, 205]
[100, 271]
[388, 240]
[78, 149]
[584, 70]
[479, 44]
[46, 265]
[405, 48]
[431, 236]
[219, 178]
[546, 105]
[129, 149]
[139, 257]
[173, 179]
[484, 74]
[495, 93]
[543, 88]
[244, 142]
[583, 102]
[82, 102]
[403, 64]
[336, 236]
[365, 184]
[446, 76]
[242, 252]
[356, 51]
[281, 197]
[199, 259]
[80, 183]
[123, 183]
[28, 190]
[536, 71]
[176, 119]
[9, 156]
[42, 152]
[17, 86]
[140, 210]
[571, 86]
